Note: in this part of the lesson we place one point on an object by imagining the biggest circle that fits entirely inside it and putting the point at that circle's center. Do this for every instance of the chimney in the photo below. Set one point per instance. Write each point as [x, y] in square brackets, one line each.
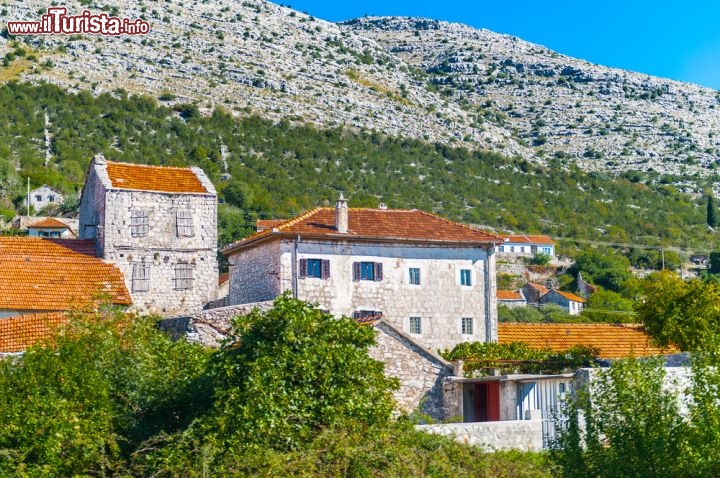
[99, 158]
[382, 206]
[341, 215]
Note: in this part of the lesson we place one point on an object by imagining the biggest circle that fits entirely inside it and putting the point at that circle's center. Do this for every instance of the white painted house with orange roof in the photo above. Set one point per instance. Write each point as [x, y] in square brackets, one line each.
[431, 278]
[527, 245]
[159, 226]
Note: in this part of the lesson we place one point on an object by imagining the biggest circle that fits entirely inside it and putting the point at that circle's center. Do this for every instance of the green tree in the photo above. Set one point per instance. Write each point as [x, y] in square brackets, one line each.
[606, 269]
[608, 306]
[685, 314]
[711, 211]
[714, 262]
[540, 259]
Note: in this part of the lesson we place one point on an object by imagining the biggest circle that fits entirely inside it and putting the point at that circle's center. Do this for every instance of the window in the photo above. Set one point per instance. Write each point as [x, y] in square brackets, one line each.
[51, 198]
[140, 277]
[139, 223]
[38, 198]
[467, 325]
[54, 233]
[318, 268]
[546, 250]
[465, 278]
[367, 271]
[183, 276]
[184, 222]
[415, 275]
[512, 248]
[415, 325]
[501, 249]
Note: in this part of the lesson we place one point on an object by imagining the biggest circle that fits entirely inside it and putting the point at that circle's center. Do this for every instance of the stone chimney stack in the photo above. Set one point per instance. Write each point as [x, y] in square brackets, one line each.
[341, 215]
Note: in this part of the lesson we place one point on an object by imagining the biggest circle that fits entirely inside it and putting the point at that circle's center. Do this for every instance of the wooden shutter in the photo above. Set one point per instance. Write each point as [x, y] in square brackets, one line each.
[378, 272]
[325, 269]
[356, 271]
[303, 268]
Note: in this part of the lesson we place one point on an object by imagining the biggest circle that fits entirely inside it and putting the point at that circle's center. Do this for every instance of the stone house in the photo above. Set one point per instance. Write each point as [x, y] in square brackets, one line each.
[45, 196]
[159, 226]
[532, 292]
[429, 277]
[527, 245]
[574, 304]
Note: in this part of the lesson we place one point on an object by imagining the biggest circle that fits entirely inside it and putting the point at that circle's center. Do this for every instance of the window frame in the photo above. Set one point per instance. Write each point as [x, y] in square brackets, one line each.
[467, 323]
[184, 226]
[184, 275]
[139, 223]
[466, 277]
[414, 276]
[361, 269]
[304, 268]
[140, 281]
[415, 325]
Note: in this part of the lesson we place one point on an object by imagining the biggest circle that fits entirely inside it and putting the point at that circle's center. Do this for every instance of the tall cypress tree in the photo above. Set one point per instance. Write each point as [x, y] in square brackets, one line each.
[711, 212]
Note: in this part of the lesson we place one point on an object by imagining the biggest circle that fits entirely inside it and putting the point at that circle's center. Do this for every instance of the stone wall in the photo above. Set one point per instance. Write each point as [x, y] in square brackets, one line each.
[264, 271]
[424, 377]
[523, 435]
[208, 327]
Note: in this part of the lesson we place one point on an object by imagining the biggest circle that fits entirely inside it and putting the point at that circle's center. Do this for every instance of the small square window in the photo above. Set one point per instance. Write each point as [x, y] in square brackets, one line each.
[314, 268]
[467, 325]
[51, 198]
[465, 277]
[501, 249]
[415, 275]
[415, 325]
[38, 198]
[372, 271]
[317, 268]
[139, 223]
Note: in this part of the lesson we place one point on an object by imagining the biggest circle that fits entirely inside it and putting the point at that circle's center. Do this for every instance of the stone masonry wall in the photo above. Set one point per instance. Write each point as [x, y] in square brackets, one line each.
[440, 300]
[255, 274]
[523, 435]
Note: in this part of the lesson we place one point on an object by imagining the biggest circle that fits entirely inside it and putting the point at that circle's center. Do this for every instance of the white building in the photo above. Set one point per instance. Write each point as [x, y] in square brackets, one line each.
[429, 277]
[49, 227]
[45, 196]
[159, 225]
[527, 245]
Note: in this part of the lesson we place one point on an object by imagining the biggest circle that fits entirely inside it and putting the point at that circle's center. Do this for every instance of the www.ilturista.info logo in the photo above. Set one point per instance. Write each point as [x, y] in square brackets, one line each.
[57, 22]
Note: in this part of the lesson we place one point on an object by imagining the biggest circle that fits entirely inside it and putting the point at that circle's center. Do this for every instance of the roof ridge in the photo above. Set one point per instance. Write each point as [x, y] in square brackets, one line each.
[294, 220]
[185, 168]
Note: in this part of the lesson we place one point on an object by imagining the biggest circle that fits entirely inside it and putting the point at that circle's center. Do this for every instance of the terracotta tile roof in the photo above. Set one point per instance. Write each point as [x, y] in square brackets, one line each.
[20, 332]
[46, 275]
[509, 295]
[528, 239]
[542, 290]
[570, 296]
[154, 178]
[613, 341]
[262, 224]
[48, 223]
[378, 224]
[81, 246]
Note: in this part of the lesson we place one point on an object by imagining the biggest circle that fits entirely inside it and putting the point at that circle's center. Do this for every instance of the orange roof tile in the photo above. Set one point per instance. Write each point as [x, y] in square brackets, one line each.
[224, 277]
[509, 295]
[262, 224]
[48, 223]
[154, 178]
[570, 296]
[377, 224]
[20, 332]
[46, 275]
[528, 239]
[613, 341]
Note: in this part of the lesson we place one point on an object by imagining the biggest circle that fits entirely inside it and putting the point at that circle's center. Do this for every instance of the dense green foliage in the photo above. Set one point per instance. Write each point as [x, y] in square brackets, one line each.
[483, 357]
[628, 422]
[83, 404]
[279, 169]
[685, 314]
[608, 306]
[549, 313]
[608, 270]
[711, 211]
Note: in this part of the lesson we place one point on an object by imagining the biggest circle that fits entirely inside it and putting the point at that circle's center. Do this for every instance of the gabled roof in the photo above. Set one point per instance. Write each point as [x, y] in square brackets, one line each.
[20, 332]
[262, 224]
[613, 341]
[154, 178]
[373, 224]
[47, 275]
[528, 239]
[509, 295]
[48, 223]
[569, 296]
[542, 290]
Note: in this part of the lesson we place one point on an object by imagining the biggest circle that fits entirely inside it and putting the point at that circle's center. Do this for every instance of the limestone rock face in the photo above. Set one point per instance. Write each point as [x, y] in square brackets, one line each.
[411, 77]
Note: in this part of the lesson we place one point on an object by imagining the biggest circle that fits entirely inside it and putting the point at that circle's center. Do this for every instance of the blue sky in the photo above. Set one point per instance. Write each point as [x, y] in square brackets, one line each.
[678, 40]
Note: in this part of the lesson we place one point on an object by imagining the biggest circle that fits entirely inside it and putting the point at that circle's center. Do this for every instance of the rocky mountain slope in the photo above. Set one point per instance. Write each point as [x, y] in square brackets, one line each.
[400, 76]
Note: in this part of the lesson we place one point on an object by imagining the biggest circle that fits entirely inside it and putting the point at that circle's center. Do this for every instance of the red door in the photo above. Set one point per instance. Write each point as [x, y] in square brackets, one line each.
[487, 406]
